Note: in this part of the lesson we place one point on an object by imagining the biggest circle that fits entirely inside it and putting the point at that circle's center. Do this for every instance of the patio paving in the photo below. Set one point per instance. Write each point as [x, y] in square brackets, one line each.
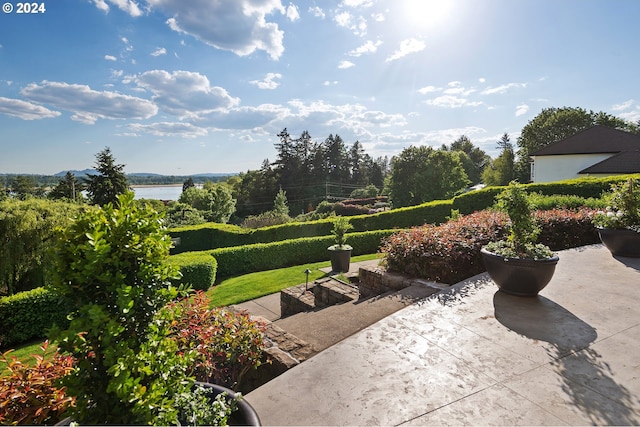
[470, 355]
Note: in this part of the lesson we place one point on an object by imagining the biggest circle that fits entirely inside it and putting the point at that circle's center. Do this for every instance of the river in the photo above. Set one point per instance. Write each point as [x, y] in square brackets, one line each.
[159, 192]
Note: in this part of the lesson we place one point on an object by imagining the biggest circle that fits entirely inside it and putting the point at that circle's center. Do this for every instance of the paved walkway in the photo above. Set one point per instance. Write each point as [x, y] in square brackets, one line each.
[470, 355]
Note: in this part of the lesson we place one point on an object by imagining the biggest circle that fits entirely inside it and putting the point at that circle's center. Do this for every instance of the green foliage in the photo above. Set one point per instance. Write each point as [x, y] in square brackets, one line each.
[27, 315]
[473, 160]
[197, 269]
[109, 183]
[450, 252]
[265, 219]
[280, 205]
[421, 174]
[365, 193]
[111, 271]
[22, 187]
[181, 214]
[523, 231]
[228, 344]
[500, 171]
[68, 188]
[25, 231]
[623, 210]
[563, 201]
[340, 227]
[213, 200]
[233, 261]
[29, 395]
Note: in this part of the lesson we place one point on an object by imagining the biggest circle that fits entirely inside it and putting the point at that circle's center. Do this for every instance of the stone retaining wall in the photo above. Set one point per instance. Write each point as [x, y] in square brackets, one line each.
[375, 281]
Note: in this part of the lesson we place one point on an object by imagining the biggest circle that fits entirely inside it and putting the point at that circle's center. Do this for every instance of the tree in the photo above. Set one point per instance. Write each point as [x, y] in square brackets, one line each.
[477, 158]
[501, 170]
[555, 124]
[23, 186]
[68, 188]
[280, 205]
[421, 174]
[214, 200]
[188, 183]
[111, 181]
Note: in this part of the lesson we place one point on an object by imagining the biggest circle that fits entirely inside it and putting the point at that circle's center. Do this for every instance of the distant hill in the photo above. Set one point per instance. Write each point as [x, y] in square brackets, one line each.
[85, 172]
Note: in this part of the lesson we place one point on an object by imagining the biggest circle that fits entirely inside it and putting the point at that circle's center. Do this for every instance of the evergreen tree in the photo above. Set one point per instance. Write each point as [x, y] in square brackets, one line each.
[69, 187]
[280, 205]
[188, 183]
[111, 181]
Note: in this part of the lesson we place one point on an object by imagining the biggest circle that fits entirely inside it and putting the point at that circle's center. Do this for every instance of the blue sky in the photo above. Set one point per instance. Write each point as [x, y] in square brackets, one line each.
[184, 87]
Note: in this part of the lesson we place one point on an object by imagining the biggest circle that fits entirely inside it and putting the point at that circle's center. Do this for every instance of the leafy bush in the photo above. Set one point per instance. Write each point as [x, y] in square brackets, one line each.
[265, 219]
[111, 271]
[564, 201]
[198, 269]
[623, 210]
[29, 394]
[228, 344]
[450, 252]
[30, 314]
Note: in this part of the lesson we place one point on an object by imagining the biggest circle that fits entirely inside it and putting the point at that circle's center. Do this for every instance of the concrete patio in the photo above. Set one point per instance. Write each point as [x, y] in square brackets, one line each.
[470, 355]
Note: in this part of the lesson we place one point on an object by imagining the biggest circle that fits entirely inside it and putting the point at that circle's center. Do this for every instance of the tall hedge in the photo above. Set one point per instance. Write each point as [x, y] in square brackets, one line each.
[30, 314]
[198, 269]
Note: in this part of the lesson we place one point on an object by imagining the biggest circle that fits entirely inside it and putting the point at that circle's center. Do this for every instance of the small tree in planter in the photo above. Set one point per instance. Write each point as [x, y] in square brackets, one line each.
[519, 265]
[619, 226]
[111, 272]
[340, 252]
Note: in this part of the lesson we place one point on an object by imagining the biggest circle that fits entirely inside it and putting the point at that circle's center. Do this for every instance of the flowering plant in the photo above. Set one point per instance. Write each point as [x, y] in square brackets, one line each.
[623, 210]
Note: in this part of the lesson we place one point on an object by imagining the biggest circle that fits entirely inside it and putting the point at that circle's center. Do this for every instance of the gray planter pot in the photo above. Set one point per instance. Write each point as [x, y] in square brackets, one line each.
[340, 259]
[620, 241]
[516, 276]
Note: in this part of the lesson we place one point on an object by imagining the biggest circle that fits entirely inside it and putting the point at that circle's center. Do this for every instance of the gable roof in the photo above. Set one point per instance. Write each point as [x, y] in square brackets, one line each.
[623, 163]
[595, 140]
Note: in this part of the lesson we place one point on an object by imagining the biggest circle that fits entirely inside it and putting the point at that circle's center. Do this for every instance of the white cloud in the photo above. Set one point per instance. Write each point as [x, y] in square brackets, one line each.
[482, 80]
[159, 51]
[429, 89]
[238, 26]
[292, 12]
[269, 82]
[357, 3]
[357, 24]
[456, 88]
[407, 47]
[368, 47]
[521, 109]
[127, 6]
[328, 83]
[89, 105]
[317, 12]
[169, 129]
[502, 88]
[451, 101]
[110, 58]
[343, 65]
[623, 106]
[25, 110]
[184, 93]
[378, 17]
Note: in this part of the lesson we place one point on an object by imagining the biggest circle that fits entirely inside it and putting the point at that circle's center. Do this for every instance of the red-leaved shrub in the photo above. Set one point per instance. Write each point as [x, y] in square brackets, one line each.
[29, 394]
[228, 343]
[450, 252]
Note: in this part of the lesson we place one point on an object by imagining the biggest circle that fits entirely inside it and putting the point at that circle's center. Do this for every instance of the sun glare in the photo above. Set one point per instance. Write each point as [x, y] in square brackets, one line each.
[426, 14]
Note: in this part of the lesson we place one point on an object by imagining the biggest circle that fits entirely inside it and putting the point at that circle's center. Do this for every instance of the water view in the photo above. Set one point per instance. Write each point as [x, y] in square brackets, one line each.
[159, 192]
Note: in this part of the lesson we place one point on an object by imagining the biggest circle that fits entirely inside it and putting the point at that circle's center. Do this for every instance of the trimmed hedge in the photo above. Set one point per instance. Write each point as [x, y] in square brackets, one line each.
[30, 314]
[209, 236]
[198, 269]
[268, 256]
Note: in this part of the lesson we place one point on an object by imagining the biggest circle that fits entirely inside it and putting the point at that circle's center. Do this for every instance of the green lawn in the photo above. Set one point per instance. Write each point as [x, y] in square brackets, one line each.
[254, 285]
[231, 291]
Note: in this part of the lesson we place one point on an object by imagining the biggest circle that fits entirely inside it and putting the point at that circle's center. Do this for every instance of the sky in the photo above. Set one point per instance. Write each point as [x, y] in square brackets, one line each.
[179, 87]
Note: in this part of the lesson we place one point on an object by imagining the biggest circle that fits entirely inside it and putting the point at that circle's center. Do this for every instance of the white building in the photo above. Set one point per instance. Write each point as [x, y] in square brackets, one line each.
[597, 151]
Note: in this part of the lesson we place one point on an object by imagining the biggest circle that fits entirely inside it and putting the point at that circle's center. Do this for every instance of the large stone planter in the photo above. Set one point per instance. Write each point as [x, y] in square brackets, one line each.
[340, 258]
[517, 276]
[621, 241]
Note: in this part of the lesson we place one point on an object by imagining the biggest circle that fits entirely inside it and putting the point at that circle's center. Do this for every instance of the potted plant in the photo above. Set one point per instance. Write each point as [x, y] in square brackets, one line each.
[340, 252]
[519, 265]
[111, 272]
[619, 225]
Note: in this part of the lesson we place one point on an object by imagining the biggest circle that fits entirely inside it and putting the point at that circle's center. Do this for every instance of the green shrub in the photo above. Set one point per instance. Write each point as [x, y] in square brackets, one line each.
[30, 314]
[564, 201]
[198, 269]
[450, 252]
[239, 260]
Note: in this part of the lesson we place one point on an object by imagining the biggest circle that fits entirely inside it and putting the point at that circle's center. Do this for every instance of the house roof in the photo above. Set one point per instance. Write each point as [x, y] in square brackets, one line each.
[622, 163]
[595, 140]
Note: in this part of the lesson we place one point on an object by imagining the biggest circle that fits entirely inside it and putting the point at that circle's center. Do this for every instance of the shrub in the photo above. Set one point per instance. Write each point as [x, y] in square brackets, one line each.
[29, 394]
[228, 344]
[265, 219]
[564, 201]
[198, 269]
[450, 252]
[30, 314]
